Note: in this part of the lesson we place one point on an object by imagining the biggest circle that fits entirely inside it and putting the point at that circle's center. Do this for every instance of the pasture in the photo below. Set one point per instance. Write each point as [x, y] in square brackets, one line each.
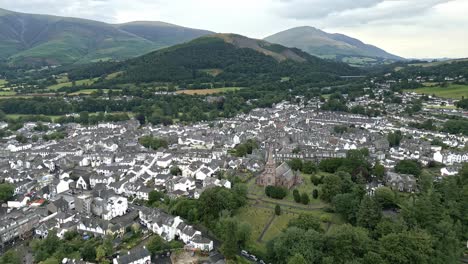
[209, 91]
[453, 91]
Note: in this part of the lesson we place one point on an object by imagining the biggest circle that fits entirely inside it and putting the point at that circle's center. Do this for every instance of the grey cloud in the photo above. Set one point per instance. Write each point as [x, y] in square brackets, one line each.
[90, 9]
[314, 9]
[389, 11]
[346, 12]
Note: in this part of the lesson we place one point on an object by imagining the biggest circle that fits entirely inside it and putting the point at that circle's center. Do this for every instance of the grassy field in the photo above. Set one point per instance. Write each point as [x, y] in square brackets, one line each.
[70, 84]
[278, 225]
[16, 116]
[260, 211]
[7, 93]
[437, 63]
[87, 92]
[3, 82]
[113, 75]
[208, 91]
[452, 91]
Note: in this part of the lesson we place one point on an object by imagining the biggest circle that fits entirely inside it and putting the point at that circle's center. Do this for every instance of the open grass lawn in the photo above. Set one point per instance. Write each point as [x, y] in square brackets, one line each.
[7, 93]
[208, 91]
[16, 116]
[113, 75]
[454, 91]
[256, 217]
[278, 225]
[87, 92]
[70, 84]
[3, 82]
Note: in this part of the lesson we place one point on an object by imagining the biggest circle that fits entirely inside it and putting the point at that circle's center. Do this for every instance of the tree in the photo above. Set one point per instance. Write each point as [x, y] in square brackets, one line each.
[156, 244]
[175, 170]
[346, 205]
[305, 198]
[21, 138]
[406, 247]
[306, 222]
[315, 193]
[347, 243]
[88, 252]
[230, 245]
[408, 167]
[100, 253]
[297, 196]
[379, 171]
[385, 197]
[297, 259]
[6, 192]
[295, 164]
[369, 213]
[243, 234]
[277, 209]
[10, 257]
[310, 244]
[154, 196]
[316, 180]
[332, 185]
[330, 165]
[394, 138]
[276, 192]
[309, 167]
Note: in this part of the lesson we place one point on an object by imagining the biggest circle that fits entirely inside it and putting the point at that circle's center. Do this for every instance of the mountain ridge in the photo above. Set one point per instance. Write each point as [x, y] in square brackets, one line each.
[328, 45]
[221, 58]
[51, 40]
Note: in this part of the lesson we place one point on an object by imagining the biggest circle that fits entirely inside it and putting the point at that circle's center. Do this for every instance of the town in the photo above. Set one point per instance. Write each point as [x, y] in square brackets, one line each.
[97, 180]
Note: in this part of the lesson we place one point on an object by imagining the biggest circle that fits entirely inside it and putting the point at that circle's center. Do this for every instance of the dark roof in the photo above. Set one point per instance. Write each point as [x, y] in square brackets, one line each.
[133, 255]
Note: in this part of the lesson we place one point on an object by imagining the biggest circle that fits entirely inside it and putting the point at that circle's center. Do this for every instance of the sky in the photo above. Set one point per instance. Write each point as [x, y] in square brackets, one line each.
[408, 28]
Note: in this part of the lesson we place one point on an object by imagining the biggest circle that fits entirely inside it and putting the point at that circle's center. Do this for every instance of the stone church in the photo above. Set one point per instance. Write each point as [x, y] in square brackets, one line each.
[282, 175]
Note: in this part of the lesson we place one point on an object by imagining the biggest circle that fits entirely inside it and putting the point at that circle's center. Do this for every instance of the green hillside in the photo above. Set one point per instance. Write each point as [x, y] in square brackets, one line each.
[237, 59]
[331, 46]
[51, 40]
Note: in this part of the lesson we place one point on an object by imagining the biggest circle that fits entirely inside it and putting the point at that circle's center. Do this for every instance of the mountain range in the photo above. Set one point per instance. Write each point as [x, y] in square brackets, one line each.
[331, 46]
[44, 39]
[51, 40]
[219, 58]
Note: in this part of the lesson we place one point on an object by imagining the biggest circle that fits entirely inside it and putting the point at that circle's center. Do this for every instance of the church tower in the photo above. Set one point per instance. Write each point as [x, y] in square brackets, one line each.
[269, 175]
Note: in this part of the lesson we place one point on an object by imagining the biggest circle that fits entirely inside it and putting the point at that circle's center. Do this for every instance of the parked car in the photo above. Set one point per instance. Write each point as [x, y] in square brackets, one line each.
[253, 257]
[245, 253]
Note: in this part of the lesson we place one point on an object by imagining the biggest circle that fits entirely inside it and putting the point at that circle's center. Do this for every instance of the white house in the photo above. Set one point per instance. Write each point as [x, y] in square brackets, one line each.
[116, 206]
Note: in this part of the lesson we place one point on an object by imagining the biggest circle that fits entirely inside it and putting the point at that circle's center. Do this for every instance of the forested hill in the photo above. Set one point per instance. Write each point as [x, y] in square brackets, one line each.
[221, 58]
[30, 39]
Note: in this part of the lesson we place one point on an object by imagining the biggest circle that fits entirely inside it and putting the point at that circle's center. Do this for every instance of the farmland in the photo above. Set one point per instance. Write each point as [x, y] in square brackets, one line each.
[453, 91]
[209, 91]
[70, 84]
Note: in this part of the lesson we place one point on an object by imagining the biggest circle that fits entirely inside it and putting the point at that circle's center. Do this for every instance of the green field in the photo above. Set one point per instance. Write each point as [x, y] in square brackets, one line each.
[70, 84]
[453, 91]
[16, 116]
[209, 91]
[3, 82]
[7, 93]
[87, 92]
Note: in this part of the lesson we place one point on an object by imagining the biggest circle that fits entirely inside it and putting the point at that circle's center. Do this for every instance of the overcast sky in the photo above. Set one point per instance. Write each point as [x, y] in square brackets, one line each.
[409, 28]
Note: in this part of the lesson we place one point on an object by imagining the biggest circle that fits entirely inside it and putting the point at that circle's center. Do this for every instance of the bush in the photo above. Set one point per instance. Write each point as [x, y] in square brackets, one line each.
[297, 196]
[316, 180]
[315, 193]
[305, 198]
[276, 192]
[277, 209]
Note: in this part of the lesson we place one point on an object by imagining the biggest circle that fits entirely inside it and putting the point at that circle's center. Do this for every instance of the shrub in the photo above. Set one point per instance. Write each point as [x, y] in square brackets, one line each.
[276, 192]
